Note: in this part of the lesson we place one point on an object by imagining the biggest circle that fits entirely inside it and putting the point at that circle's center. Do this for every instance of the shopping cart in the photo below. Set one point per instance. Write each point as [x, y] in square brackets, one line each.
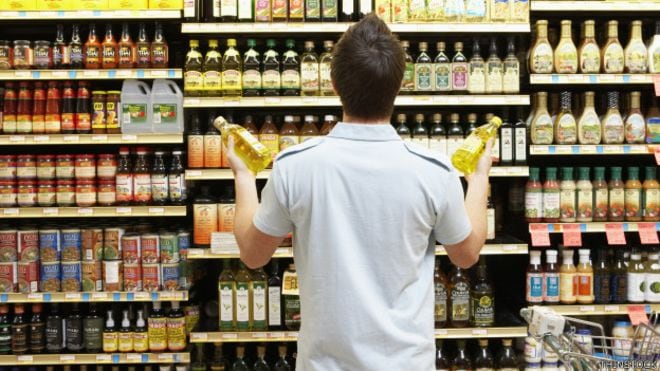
[559, 333]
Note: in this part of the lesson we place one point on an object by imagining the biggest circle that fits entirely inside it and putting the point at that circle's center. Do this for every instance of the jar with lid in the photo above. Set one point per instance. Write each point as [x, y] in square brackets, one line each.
[99, 114]
[85, 167]
[43, 55]
[46, 167]
[622, 332]
[107, 192]
[26, 167]
[22, 55]
[583, 339]
[533, 349]
[113, 125]
[47, 194]
[106, 166]
[66, 193]
[27, 193]
[5, 55]
[7, 167]
[85, 193]
[7, 193]
[65, 166]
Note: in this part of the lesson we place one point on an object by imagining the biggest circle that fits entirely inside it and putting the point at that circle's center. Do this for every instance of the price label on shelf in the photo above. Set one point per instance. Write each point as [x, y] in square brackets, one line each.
[230, 336]
[59, 74]
[97, 296]
[91, 73]
[158, 73]
[572, 235]
[441, 332]
[17, 138]
[24, 359]
[611, 308]
[72, 296]
[614, 233]
[103, 358]
[124, 211]
[134, 357]
[165, 357]
[22, 74]
[10, 211]
[156, 210]
[648, 234]
[85, 211]
[540, 234]
[259, 335]
[128, 138]
[637, 314]
[656, 84]
[587, 308]
[480, 332]
[99, 138]
[67, 358]
[41, 138]
[35, 297]
[71, 138]
[50, 211]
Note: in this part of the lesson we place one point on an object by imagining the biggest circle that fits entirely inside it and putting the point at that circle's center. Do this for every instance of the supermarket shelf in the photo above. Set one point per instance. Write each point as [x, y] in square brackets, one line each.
[604, 149]
[287, 252]
[555, 78]
[64, 139]
[91, 212]
[226, 174]
[593, 227]
[94, 359]
[166, 73]
[405, 100]
[594, 6]
[278, 336]
[89, 14]
[340, 27]
[93, 297]
[598, 309]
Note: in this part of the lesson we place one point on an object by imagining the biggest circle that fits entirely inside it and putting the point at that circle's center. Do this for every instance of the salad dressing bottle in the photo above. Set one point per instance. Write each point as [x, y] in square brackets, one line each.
[635, 125]
[636, 52]
[541, 125]
[612, 53]
[541, 55]
[567, 279]
[566, 58]
[589, 126]
[565, 125]
[589, 52]
[612, 123]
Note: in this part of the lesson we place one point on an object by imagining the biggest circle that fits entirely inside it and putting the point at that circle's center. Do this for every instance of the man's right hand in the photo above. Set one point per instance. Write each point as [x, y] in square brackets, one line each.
[484, 164]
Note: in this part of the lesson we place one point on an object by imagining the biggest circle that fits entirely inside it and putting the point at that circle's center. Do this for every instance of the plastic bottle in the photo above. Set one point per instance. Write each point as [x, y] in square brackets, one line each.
[205, 218]
[585, 276]
[176, 180]
[585, 196]
[159, 181]
[551, 196]
[567, 279]
[254, 154]
[110, 338]
[167, 107]
[551, 278]
[602, 273]
[651, 189]
[83, 115]
[39, 108]
[141, 179]
[125, 336]
[567, 196]
[534, 279]
[136, 112]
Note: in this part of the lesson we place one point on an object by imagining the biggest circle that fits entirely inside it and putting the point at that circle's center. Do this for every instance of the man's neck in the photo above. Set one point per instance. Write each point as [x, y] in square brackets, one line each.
[354, 120]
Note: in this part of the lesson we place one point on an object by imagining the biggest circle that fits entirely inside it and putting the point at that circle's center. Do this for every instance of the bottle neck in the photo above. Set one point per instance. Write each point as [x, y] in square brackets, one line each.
[589, 101]
[634, 102]
[589, 31]
[613, 31]
[636, 32]
[542, 31]
[541, 102]
[566, 31]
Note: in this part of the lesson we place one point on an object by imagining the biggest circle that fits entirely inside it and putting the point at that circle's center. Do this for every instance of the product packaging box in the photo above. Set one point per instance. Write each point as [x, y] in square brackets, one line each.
[128, 4]
[18, 4]
[54, 4]
[165, 4]
[89, 4]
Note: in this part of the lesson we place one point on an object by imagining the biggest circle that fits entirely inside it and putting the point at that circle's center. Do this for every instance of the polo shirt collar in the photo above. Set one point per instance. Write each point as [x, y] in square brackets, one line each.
[367, 132]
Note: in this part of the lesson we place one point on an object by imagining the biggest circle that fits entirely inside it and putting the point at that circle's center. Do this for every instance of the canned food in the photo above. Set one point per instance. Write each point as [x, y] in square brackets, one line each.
[49, 277]
[130, 247]
[71, 244]
[112, 243]
[92, 275]
[8, 277]
[28, 277]
[150, 245]
[92, 243]
[7, 167]
[8, 245]
[170, 276]
[151, 277]
[28, 245]
[132, 277]
[49, 245]
[169, 248]
[71, 276]
[113, 275]
[184, 244]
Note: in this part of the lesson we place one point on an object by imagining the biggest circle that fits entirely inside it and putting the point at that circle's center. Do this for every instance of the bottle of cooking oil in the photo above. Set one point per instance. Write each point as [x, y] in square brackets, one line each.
[231, 70]
[254, 154]
[212, 86]
[467, 156]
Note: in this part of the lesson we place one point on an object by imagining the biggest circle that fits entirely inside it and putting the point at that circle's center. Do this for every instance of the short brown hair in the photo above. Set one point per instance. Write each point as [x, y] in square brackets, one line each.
[367, 69]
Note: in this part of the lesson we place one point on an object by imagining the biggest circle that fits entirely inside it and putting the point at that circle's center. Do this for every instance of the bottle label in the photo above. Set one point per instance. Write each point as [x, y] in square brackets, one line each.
[92, 55]
[585, 199]
[567, 203]
[19, 338]
[542, 58]
[109, 55]
[652, 286]
[280, 8]
[212, 151]
[296, 9]
[259, 304]
[507, 144]
[613, 129]
[176, 334]
[490, 222]
[142, 187]
[125, 342]
[534, 287]
[242, 305]
[140, 341]
[534, 203]
[92, 334]
[226, 305]
[459, 76]
[76, 55]
[73, 334]
[157, 334]
[617, 203]
[325, 71]
[651, 203]
[310, 76]
[228, 8]
[590, 130]
[329, 8]
[195, 151]
[424, 77]
[566, 129]
[542, 130]
[567, 287]
[24, 123]
[251, 79]
[408, 82]
[566, 58]
[551, 287]
[483, 310]
[636, 283]
[511, 78]
[440, 308]
[134, 113]
[585, 285]
[460, 302]
[110, 342]
[290, 79]
[159, 189]
[193, 80]
[635, 128]
[443, 76]
[613, 58]
[271, 79]
[37, 338]
[287, 141]
[551, 203]
[205, 222]
[176, 186]
[477, 78]
[601, 203]
[5, 338]
[590, 59]
[494, 78]
[124, 188]
[636, 57]
[633, 202]
[166, 114]
[274, 306]
[602, 287]
[231, 80]
[211, 81]
[313, 9]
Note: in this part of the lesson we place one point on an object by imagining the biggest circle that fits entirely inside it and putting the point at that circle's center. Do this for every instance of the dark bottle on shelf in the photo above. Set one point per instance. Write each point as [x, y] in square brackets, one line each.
[5, 330]
[74, 330]
[143, 48]
[19, 331]
[219, 363]
[54, 331]
[260, 364]
[10, 103]
[37, 336]
[520, 139]
[61, 51]
[77, 59]
[124, 178]
[176, 180]
[110, 335]
[507, 358]
[402, 127]
[198, 364]
[461, 361]
[205, 218]
[159, 49]
[68, 122]
[141, 178]
[442, 363]
[484, 359]
[239, 363]
[211, 10]
[159, 181]
[83, 116]
[92, 50]
[274, 297]
[93, 331]
[507, 142]
[251, 72]
[290, 70]
[270, 71]
[619, 278]
[441, 298]
[459, 298]
[110, 52]
[127, 50]
[602, 272]
[282, 364]
[482, 304]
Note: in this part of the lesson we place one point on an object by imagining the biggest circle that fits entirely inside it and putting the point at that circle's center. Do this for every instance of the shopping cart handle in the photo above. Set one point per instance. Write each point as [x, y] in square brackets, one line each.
[543, 321]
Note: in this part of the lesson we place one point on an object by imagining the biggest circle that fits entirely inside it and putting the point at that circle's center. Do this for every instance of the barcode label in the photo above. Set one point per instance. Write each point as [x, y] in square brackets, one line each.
[126, 119]
[157, 118]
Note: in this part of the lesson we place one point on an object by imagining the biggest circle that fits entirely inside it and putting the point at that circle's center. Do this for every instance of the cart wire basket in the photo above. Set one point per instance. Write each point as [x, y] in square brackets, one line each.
[641, 352]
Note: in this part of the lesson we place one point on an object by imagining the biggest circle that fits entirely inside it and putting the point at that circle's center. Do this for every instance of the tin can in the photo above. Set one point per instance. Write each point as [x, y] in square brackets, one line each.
[150, 245]
[8, 245]
[169, 248]
[170, 276]
[28, 245]
[130, 247]
[132, 277]
[92, 275]
[151, 277]
[71, 276]
[184, 244]
[92, 243]
[49, 277]
[112, 243]
[28, 277]
[49, 245]
[71, 244]
[113, 275]
[8, 277]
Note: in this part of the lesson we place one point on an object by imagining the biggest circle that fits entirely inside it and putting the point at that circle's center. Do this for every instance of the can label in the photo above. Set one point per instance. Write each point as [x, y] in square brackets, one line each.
[150, 245]
[71, 245]
[71, 276]
[28, 245]
[8, 277]
[8, 245]
[111, 243]
[49, 277]
[28, 277]
[169, 248]
[49, 245]
[151, 277]
[184, 244]
[132, 277]
[130, 248]
[113, 275]
[92, 243]
[92, 276]
[170, 276]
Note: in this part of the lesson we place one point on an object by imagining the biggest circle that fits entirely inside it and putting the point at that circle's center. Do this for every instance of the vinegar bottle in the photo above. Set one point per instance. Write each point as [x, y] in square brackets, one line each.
[534, 279]
[255, 155]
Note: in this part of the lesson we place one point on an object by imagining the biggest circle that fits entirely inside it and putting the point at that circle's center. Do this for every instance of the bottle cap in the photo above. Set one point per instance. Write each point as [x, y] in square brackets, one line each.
[437, 117]
[110, 322]
[551, 256]
[401, 117]
[140, 319]
[405, 44]
[309, 45]
[327, 117]
[288, 118]
[309, 118]
[175, 305]
[636, 256]
[231, 43]
[483, 343]
[213, 43]
[125, 322]
[535, 257]
[328, 44]
[423, 46]
[156, 305]
[419, 117]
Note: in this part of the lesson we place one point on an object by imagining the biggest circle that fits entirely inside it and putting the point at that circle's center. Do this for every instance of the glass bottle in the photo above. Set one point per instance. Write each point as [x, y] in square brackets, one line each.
[211, 75]
[92, 50]
[74, 330]
[110, 51]
[291, 298]
[246, 10]
[54, 331]
[141, 178]
[442, 69]
[296, 10]
[454, 10]
[159, 182]
[635, 53]
[633, 196]
[110, 336]
[263, 10]
[282, 364]
[551, 196]
[551, 278]
[270, 70]
[125, 336]
[325, 66]
[176, 180]
[619, 279]
[484, 359]
[636, 277]
[438, 135]
[231, 70]
[78, 54]
[92, 330]
[534, 279]
[442, 362]
[455, 135]
[83, 115]
[37, 331]
[5, 330]
[280, 10]
[219, 363]
[157, 329]
[229, 11]
[440, 293]
[635, 124]
[461, 361]
[651, 191]
[565, 125]
[140, 334]
[274, 297]
[143, 48]
[601, 195]
[589, 125]
[243, 299]
[61, 51]
[24, 109]
[585, 278]
[654, 50]
[511, 74]
[612, 52]
[19, 331]
[419, 133]
[260, 364]
[494, 70]
[482, 303]
[159, 49]
[459, 298]
[124, 178]
[312, 10]
[477, 74]
[424, 79]
[290, 70]
[309, 71]
[251, 72]
[585, 196]
[239, 364]
[602, 272]
[565, 55]
[542, 129]
[568, 279]
[309, 129]
[617, 196]
[459, 69]
[258, 289]
[541, 56]
[193, 77]
[402, 128]
[227, 293]
[289, 135]
[507, 142]
[126, 49]
[652, 280]
[534, 197]
[408, 81]
[507, 361]
[198, 363]
[589, 51]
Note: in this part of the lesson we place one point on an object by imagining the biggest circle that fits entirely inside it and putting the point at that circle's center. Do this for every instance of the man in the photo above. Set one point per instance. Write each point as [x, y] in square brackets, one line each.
[365, 210]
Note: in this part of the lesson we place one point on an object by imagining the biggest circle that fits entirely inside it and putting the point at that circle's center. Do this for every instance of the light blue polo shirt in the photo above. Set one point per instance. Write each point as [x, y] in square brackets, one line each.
[365, 210]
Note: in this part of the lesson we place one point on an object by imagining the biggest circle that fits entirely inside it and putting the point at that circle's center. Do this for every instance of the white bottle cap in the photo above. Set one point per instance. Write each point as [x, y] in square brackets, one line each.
[140, 319]
[288, 118]
[584, 256]
[309, 118]
[125, 322]
[110, 322]
[551, 256]
[535, 257]
[636, 256]
[654, 256]
[328, 117]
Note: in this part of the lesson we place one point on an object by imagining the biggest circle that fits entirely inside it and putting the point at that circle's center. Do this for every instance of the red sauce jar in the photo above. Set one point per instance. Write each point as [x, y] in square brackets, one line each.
[26, 167]
[27, 193]
[47, 194]
[7, 193]
[85, 193]
[107, 192]
[22, 55]
[65, 166]
[46, 167]
[85, 167]
[6, 55]
[106, 166]
[66, 193]
[7, 167]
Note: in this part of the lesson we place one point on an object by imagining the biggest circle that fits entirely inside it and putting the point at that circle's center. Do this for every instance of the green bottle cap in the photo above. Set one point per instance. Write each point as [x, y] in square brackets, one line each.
[534, 173]
[251, 43]
[270, 43]
[550, 173]
[633, 173]
[615, 173]
[567, 173]
[290, 43]
[583, 173]
[599, 173]
[650, 173]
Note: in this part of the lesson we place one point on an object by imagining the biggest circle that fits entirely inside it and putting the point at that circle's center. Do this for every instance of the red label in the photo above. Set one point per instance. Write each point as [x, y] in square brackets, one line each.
[540, 235]
[68, 122]
[584, 285]
[83, 121]
[648, 234]
[637, 314]
[615, 235]
[572, 235]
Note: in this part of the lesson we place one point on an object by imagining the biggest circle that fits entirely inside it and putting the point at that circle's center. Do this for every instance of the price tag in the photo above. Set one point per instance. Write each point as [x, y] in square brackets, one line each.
[656, 84]
[24, 359]
[563, 149]
[85, 211]
[156, 210]
[606, 77]
[572, 235]
[41, 138]
[441, 332]
[292, 335]
[540, 150]
[259, 335]
[58, 74]
[35, 297]
[479, 332]
[587, 308]
[587, 149]
[647, 233]
[309, 100]
[103, 358]
[128, 138]
[22, 74]
[611, 308]
[71, 138]
[124, 73]
[50, 211]
[222, 242]
[422, 98]
[10, 211]
[72, 296]
[134, 357]
[276, 335]
[97, 296]
[576, 78]
[615, 235]
[230, 336]
[124, 211]
[271, 100]
[638, 78]
[67, 358]
[509, 247]
[99, 138]
[613, 149]
[17, 138]
[193, 173]
[158, 73]
[191, 102]
[637, 314]
[141, 295]
[540, 234]
[194, 253]
[165, 357]
[91, 73]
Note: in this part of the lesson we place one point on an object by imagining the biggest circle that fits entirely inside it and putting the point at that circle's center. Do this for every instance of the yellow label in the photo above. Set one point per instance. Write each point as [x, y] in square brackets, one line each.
[193, 80]
[270, 141]
[176, 334]
[231, 80]
[140, 342]
[125, 342]
[567, 283]
[157, 334]
[290, 283]
[566, 58]
[110, 342]
[212, 80]
[287, 141]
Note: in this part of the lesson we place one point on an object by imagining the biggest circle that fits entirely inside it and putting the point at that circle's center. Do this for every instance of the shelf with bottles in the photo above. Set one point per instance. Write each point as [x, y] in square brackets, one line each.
[591, 79]
[603, 149]
[93, 297]
[93, 359]
[49, 15]
[593, 227]
[92, 212]
[600, 309]
[113, 74]
[594, 6]
[85, 139]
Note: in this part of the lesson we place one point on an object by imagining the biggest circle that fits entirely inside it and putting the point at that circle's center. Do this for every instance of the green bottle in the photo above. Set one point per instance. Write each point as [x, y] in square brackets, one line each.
[198, 364]
[290, 70]
[227, 297]
[251, 73]
[259, 288]
[243, 300]
[239, 364]
[260, 364]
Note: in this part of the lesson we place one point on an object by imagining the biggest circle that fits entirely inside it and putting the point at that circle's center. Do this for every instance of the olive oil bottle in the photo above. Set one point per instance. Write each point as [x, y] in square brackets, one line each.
[290, 71]
[468, 154]
[227, 297]
[459, 298]
[459, 69]
[193, 81]
[211, 71]
[494, 70]
[442, 69]
[309, 71]
[325, 62]
[254, 154]
[270, 70]
[408, 82]
[231, 70]
[251, 72]
[243, 299]
[424, 79]
[477, 71]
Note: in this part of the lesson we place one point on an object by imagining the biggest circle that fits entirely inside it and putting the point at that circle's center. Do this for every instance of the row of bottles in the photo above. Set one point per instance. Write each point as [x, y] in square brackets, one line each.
[617, 276]
[590, 200]
[590, 57]
[453, 11]
[278, 360]
[483, 359]
[562, 125]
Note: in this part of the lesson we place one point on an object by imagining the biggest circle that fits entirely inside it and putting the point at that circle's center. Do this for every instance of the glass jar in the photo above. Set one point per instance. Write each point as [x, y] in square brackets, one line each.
[85, 193]
[107, 192]
[5, 55]
[22, 56]
[7, 193]
[47, 195]
[7, 167]
[622, 332]
[533, 349]
[65, 167]
[43, 55]
[46, 167]
[112, 112]
[26, 167]
[85, 167]
[584, 339]
[66, 193]
[99, 115]
[27, 193]
[106, 166]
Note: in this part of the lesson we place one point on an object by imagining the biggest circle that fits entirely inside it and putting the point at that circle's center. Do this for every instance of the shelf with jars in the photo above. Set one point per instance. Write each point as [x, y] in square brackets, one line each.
[93, 297]
[79, 139]
[92, 74]
[91, 212]
[26, 15]
[604, 149]
[594, 227]
[599, 309]
[93, 359]
[594, 6]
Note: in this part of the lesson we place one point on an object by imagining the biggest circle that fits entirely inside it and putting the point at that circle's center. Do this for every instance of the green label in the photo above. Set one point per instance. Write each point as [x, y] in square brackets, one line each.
[165, 113]
[330, 9]
[483, 312]
[408, 82]
[133, 113]
[442, 80]
[313, 9]
[292, 311]
[242, 306]
[423, 77]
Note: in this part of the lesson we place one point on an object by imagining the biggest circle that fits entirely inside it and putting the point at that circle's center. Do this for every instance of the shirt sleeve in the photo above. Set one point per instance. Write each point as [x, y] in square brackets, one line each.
[273, 217]
[452, 225]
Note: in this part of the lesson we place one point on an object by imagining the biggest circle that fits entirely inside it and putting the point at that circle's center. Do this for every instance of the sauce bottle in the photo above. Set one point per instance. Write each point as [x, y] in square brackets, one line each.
[78, 53]
[9, 109]
[270, 70]
[289, 135]
[438, 135]
[651, 189]
[542, 129]
[440, 296]
[251, 73]
[124, 178]
[195, 144]
[160, 56]
[534, 280]
[309, 71]
[239, 363]
[567, 196]
[619, 278]
[585, 196]
[308, 130]
[227, 293]
[93, 330]
[61, 51]
[24, 109]
[125, 336]
[635, 54]
[520, 139]
[402, 128]
[110, 337]
[231, 70]
[141, 179]
[109, 47]
[54, 331]
[602, 272]
[419, 133]
[494, 70]
[92, 50]
[68, 122]
[636, 277]
[612, 123]
[601, 195]
[461, 361]
[159, 181]
[52, 118]
[212, 80]
[551, 278]
[477, 71]
[459, 298]
[442, 69]
[74, 330]
[589, 126]
[533, 197]
[127, 50]
[617, 196]
[269, 136]
[19, 331]
[565, 125]
[157, 329]
[551, 196]
[140, 335]
[290, 70]
[143, 48]
[568, 279]
[585, 277]
[205, 218]
[541, 55]
[37, 332]
[176, 180]
[258, 288]
[83, 116]
[484, 359]
[212, 145]
[176, 329]
[5, 330]
[651, 294]
[39, 109]
[291, 298]
[633, 196]
[424, 81]
[612, 51]
[635, 125]
[325, 65]
[589, 52]
[459, 69]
